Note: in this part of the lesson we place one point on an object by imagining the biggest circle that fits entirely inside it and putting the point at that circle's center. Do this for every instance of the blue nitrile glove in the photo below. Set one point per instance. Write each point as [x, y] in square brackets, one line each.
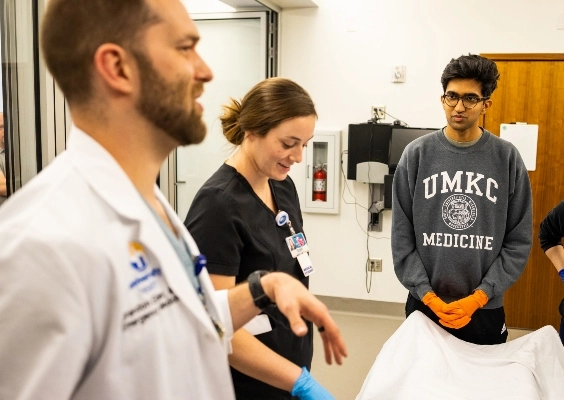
[307, 388]
[561, 273]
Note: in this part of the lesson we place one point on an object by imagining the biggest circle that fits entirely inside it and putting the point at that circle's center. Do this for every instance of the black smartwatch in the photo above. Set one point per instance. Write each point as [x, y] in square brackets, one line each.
[260, 298]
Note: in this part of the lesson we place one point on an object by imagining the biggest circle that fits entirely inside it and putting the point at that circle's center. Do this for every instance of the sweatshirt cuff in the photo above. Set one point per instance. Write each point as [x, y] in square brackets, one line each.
[423, 289]
[487, 289]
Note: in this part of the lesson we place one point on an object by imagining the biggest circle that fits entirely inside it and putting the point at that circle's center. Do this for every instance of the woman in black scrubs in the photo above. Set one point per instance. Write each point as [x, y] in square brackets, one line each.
[233, 219]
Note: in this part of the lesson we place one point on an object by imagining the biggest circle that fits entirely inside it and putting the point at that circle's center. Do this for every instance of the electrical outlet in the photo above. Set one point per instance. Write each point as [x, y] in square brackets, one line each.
[378, 112]
[375, 265]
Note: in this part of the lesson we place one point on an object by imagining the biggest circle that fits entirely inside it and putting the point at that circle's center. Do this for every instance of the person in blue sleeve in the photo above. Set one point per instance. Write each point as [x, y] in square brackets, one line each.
[550, 235]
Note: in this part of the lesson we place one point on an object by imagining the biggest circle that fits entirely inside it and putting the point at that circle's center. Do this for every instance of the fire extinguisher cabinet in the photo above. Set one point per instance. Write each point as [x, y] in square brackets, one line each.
[322, 173]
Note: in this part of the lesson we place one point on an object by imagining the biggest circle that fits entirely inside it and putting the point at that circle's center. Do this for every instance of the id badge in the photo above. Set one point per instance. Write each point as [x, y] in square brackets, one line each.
[297, 244]
[298, 248]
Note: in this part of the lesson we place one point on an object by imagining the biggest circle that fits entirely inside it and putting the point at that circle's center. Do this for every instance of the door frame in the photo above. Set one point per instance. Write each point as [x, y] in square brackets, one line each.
[169, 181]
[524, 56]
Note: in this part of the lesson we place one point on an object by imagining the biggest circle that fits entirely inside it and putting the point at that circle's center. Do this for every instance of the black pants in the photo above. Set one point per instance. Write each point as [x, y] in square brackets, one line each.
[485, 326]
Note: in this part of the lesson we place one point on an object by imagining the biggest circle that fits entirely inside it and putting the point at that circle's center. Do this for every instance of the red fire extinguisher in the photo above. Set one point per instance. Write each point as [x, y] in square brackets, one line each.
[319, 184]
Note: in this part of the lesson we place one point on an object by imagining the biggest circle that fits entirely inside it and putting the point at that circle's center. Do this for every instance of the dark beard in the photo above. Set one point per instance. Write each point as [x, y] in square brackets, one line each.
[163, 104]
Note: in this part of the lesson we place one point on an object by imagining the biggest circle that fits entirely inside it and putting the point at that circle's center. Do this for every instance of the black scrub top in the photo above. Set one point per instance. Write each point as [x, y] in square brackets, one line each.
[238, 234]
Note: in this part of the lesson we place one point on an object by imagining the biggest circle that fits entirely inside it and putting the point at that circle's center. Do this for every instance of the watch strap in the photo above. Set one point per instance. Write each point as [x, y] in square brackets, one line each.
[260, 298]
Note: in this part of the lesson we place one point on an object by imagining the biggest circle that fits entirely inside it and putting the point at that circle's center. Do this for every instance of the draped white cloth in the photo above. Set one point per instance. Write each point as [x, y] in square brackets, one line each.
[423, 361]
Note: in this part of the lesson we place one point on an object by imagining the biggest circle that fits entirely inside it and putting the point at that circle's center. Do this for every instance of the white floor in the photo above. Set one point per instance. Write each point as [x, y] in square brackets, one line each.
[365, 325]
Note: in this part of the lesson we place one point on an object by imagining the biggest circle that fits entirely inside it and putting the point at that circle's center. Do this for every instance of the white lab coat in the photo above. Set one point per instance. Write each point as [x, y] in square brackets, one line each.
[94, 302]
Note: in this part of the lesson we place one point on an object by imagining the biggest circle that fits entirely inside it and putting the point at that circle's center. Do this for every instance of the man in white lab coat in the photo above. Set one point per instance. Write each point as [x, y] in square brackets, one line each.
[102, 290]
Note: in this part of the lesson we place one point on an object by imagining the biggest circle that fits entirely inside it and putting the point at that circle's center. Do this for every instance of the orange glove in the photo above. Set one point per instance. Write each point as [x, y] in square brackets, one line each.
[468, 305]
[433, 301]
[458, 323]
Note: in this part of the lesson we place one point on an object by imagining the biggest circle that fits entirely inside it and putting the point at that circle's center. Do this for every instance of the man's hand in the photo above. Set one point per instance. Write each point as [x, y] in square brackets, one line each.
[457, 314]
[457, 323]
[294, 301]
[434, 302]
[465, 308]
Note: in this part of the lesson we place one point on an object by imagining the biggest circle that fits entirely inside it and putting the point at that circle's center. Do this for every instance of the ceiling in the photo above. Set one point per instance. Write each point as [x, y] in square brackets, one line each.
[246, 4]
[242, 3]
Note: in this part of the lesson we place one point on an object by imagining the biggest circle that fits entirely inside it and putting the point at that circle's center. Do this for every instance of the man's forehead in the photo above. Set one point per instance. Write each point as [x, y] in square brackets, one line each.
[464, 86]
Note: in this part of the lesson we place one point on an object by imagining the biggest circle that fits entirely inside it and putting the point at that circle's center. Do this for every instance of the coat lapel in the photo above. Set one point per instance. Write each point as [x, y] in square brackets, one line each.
[110, 182]
[206, 285]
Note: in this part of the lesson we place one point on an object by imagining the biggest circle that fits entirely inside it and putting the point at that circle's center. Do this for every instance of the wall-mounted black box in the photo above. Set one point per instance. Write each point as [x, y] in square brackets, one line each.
[388, 183]
[368, 142]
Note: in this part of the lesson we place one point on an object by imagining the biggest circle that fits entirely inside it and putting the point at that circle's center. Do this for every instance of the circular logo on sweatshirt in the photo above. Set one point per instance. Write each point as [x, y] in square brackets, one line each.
[459, 212]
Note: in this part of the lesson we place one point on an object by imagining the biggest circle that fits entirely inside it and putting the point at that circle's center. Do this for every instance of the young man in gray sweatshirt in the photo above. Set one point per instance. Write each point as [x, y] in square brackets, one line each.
[462, 212]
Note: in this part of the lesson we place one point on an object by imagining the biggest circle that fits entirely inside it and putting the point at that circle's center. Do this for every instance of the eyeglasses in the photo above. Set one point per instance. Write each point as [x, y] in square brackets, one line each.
[468, 101]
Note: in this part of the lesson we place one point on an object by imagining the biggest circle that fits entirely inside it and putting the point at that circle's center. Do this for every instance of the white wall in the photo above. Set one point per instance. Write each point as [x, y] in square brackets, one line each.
[346, 72]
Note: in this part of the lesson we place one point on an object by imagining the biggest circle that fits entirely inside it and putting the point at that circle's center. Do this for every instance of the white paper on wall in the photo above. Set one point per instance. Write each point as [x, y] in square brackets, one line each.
[524, 137]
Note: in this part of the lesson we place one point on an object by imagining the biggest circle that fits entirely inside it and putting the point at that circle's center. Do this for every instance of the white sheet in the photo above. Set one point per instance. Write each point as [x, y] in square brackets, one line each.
[423, 361]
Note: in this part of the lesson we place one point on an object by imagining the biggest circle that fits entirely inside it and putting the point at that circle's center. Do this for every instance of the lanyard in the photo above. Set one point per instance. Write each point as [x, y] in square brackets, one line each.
[182, 249]
[200, 262]
[296, 243]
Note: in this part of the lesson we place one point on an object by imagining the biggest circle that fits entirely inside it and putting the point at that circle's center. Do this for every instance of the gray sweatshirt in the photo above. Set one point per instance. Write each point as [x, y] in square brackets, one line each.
[461, 217]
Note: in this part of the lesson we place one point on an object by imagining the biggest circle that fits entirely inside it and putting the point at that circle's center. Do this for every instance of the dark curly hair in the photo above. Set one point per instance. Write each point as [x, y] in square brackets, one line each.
[474, 67]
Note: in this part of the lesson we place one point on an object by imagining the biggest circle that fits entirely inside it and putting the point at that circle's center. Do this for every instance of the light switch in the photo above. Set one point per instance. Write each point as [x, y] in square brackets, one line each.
[398, 74]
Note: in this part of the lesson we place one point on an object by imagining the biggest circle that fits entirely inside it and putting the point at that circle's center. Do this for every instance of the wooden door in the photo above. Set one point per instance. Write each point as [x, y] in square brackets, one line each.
[531, 89]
